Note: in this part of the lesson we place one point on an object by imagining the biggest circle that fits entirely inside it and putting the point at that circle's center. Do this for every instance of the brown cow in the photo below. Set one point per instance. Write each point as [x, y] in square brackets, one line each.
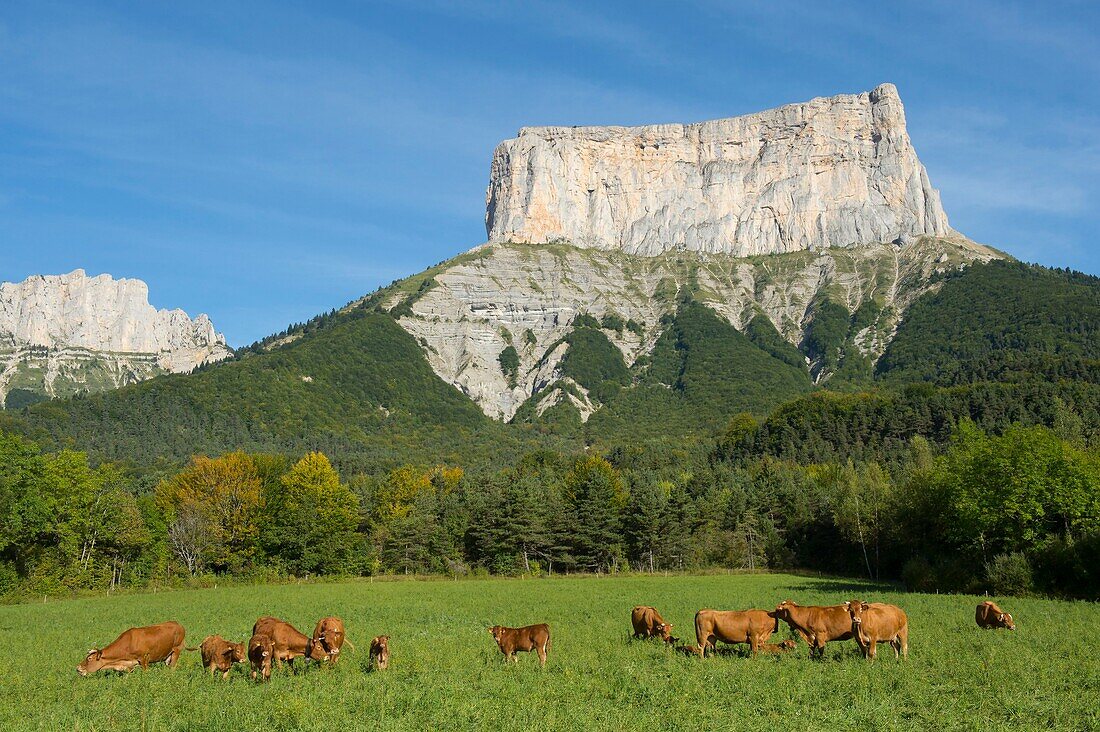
[328, 639]
[690, 650]
[754, 627]
[648, 623]
[988, 615]
[528, 638]
[137, 647]
[877, 622]
[816, 624]
[220, 654]
[261, 650]
[380, 653]
[290, 643]
[776, 648]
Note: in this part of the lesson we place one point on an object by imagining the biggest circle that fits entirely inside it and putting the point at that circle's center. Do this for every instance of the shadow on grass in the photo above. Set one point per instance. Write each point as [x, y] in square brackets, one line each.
[843, 586]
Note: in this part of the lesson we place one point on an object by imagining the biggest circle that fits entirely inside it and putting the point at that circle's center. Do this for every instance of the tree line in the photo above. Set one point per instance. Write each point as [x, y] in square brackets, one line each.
[1017, 511]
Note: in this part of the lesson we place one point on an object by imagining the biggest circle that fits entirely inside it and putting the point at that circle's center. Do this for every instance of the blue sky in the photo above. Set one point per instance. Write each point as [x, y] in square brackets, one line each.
[266, 162]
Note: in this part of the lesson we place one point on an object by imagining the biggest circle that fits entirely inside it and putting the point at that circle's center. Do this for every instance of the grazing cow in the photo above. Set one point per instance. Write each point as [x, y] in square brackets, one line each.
[878, 622]
[988, 615]
[137, 647]
[290, 643]
[328, 638]
[648, 623]
[528, 638]
[380, 653]
[220, 654]
[776, 648]
[261, 650]
[816, 624]
[754, 627]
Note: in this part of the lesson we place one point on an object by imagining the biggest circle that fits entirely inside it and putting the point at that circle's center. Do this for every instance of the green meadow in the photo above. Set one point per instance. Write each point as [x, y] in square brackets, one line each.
[446, 672]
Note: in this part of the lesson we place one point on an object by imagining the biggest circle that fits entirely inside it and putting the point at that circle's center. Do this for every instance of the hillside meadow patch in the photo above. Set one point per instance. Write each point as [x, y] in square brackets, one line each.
[446, 672]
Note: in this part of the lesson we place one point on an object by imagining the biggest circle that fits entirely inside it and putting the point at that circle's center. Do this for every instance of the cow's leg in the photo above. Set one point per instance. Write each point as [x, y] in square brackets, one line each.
[542, 654]
[176, 653]
[903, 641]
[754, 643]
[225, 674]
[871, 649]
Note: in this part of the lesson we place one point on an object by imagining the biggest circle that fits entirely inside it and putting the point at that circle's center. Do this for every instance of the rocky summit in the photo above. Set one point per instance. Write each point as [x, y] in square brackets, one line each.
[805, 212]
[71, 333]
[832, 172]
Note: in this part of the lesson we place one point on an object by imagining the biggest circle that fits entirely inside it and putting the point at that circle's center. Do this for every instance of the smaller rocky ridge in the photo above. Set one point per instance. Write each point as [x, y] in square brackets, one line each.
[67, 334]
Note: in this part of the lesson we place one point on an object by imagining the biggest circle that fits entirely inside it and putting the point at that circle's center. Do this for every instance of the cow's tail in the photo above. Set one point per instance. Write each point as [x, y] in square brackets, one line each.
[191, 648]
[350, 644]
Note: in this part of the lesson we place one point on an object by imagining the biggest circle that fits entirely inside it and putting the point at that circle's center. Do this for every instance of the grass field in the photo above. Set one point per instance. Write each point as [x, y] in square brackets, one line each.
[446, 672]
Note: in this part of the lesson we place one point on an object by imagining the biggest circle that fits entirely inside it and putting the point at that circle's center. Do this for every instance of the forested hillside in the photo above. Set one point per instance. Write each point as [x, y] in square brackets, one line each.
[970, 460]
[358, 388]
[1004, 321]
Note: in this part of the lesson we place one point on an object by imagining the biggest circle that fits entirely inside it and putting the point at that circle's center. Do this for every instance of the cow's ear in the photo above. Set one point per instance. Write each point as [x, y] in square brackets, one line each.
[848, 605]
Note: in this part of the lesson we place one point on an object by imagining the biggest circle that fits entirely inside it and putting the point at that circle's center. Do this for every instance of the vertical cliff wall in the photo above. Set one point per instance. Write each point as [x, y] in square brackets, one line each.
[832, 172]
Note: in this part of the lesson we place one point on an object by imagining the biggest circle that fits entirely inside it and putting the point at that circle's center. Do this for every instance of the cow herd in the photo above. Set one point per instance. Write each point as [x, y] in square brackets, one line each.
[867, 623]
[276, 641]
[273, 641]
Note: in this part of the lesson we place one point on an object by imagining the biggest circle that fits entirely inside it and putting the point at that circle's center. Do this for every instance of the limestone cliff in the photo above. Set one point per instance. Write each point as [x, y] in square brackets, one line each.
[831, 172]
[65, 334]
[467, 312]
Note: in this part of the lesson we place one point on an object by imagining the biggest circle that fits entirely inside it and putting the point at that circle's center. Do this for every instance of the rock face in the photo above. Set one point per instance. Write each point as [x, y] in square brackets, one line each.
[65, 334]
[468, 311]
[831, 172]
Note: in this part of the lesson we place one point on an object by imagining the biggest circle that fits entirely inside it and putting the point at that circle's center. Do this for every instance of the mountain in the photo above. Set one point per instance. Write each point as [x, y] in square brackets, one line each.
[608, 340]
[67, 334]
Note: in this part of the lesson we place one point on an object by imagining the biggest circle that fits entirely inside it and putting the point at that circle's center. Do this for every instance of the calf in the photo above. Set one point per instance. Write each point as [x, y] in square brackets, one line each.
[261, 650]
[648, 623]
[988, 615]
[220, 654]
[528, 638]
[137, 647]
[878, 622]
[776, 648]
[289, 642]
[380, 653]
[754, 627]
[328, 639]
[816, 624]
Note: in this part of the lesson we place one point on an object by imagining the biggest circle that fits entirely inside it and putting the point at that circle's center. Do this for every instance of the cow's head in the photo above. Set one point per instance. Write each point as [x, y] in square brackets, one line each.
[1005, 621]
[787, 645]
[91, 663]
[855, 609]
[380, 643]
[664, 630]
[317, 650]
[497, 632]
[783, 611]
[234, 653]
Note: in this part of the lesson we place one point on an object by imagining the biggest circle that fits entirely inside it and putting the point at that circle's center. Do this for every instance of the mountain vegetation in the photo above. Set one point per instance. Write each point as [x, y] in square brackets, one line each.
[967, 458]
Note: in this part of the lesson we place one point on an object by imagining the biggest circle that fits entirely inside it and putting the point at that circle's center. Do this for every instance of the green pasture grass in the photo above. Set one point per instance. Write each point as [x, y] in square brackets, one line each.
[446, 672]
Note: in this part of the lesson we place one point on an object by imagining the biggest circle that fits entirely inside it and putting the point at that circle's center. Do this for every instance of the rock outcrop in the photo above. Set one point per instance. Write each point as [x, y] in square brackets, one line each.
[64, 334]
[468, 311]
[832, 172]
